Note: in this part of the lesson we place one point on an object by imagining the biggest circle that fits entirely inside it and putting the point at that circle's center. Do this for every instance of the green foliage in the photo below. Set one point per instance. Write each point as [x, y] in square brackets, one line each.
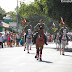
[2, 13]
[56, 10]
[48, 10]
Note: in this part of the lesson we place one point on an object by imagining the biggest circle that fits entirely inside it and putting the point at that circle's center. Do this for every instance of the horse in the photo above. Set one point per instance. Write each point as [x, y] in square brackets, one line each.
[28, 40]
[57, 41]
[39, 45]
[63, 42]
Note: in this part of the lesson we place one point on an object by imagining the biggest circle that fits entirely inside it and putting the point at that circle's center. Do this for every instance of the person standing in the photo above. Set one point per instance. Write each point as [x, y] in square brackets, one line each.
[5, 38]
[1, 40]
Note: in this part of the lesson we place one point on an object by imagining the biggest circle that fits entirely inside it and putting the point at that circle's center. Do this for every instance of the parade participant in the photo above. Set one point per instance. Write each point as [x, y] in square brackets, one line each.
[37, 27]
[28, 26]
[1, 40]
[62, 28]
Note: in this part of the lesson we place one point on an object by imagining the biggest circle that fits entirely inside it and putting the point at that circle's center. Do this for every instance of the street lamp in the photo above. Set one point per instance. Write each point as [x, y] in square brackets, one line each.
[17, 15]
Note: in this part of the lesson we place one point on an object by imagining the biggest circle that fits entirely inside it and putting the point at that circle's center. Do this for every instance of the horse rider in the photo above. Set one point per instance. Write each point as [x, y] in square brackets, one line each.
[57, 31]
[62, 28]
[37, 27]
[28, 26]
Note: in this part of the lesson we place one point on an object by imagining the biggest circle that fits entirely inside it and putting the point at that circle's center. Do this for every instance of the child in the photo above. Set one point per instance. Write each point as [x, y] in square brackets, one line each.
[22, 41]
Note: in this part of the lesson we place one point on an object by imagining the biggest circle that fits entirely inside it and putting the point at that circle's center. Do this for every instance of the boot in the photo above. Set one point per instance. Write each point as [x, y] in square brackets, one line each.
[25, 38]
[34, 38]
[67, 40]
[34, 41]
[45, 40]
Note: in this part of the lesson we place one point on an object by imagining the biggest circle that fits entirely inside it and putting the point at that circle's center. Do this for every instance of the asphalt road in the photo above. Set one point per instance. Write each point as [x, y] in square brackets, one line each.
[16, 60]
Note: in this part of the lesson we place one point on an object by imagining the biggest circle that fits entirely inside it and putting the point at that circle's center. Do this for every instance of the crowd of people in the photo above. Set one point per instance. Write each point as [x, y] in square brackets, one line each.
[11, 39]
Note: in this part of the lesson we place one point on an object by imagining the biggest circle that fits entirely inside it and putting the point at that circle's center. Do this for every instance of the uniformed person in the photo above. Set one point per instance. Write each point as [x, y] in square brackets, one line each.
[62, 28]
[37, 27]
[28, 26]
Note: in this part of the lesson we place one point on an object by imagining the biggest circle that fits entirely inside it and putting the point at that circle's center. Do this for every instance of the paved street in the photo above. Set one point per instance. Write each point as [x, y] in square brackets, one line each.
[16, 60]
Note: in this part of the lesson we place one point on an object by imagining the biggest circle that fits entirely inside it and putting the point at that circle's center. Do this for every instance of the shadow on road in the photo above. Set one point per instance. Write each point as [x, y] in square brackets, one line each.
[68, 55]
[31, 53]
[68, 50]
[46, 61]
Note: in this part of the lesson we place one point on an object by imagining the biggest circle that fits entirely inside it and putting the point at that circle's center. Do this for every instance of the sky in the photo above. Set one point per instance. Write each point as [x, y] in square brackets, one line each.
[10, 5]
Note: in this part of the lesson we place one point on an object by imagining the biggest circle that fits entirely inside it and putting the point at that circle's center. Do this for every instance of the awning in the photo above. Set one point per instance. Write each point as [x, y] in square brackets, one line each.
[5, 25]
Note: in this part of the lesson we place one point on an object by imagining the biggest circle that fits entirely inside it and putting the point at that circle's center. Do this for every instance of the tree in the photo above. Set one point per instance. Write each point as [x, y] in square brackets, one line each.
[2, 13]
[56, 10]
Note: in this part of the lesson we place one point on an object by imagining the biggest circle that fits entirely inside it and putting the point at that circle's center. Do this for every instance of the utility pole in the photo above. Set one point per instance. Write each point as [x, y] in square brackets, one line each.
[17, 15]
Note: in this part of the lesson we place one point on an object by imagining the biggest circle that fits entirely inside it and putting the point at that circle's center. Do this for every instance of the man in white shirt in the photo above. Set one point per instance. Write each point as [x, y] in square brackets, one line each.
[5, 38]
[1, 40]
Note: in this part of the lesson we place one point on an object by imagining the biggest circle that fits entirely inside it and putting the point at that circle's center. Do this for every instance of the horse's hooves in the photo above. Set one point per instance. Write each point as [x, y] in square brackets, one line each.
[63, 54]
[35, 56]
[40, 59]
[28, 52]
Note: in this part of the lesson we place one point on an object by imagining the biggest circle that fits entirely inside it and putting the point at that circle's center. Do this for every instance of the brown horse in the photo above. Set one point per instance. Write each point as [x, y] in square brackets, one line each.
[39, 44]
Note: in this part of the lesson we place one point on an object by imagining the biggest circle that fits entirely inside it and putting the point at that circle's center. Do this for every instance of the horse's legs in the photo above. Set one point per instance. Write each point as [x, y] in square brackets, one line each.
[28, 48]
[37, 53]
[25, 45]
[56, 44]
[41, 55]
[63, 49]
[60, 49]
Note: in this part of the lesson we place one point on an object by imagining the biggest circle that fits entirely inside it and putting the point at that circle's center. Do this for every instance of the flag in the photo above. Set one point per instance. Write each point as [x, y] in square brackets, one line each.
[62, 21]
[24, 20]
[53, 25]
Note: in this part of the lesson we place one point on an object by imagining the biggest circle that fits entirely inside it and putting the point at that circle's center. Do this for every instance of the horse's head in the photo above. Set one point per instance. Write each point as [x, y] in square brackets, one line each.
[29, 31]
[40, 30]
[64, 32]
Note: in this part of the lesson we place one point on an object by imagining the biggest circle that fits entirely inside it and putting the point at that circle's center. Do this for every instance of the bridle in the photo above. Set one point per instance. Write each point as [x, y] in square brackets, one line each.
[41, 40]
